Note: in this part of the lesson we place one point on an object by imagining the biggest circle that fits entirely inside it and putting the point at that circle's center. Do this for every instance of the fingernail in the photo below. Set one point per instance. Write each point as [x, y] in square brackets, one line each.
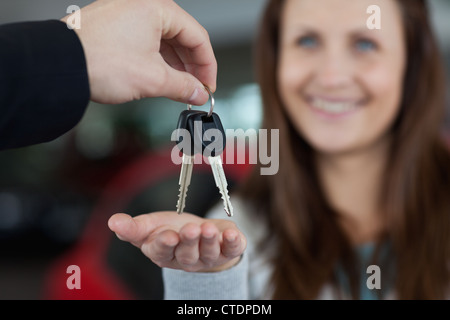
[198, 96]
[208, 235]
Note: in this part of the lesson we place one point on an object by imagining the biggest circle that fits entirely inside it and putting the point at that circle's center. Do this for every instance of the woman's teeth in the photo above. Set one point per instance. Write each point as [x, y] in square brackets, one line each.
[333, 107]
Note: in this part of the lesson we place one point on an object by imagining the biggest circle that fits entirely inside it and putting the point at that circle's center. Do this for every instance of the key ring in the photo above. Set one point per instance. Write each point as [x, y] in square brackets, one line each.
[189, 106]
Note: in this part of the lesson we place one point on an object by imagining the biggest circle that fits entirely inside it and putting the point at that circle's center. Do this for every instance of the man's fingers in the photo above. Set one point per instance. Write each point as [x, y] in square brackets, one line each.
[184, 87]
[186, 34]
[171, 57]
[171, 83]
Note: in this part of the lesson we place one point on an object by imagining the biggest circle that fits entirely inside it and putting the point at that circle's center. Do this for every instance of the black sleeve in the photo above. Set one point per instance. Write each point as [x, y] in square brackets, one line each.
[44, 86]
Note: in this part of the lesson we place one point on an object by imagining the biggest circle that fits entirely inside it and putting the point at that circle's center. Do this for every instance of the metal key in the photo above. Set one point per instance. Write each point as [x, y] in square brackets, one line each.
[187, 159]
[221, 183]
[185, 180]
[198, 124]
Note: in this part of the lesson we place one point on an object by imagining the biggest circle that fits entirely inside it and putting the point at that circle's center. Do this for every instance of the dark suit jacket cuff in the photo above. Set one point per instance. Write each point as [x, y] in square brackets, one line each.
[44, 86]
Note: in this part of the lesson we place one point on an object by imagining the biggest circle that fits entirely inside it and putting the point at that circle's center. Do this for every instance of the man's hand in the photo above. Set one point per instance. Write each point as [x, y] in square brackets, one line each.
[145, 48]
[186, 242]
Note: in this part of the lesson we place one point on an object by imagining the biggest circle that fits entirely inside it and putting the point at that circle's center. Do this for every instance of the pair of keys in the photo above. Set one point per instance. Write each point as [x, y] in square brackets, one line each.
[197, 123]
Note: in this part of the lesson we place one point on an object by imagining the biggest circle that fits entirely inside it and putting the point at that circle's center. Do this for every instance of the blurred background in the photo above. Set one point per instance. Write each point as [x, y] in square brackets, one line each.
[55, 198]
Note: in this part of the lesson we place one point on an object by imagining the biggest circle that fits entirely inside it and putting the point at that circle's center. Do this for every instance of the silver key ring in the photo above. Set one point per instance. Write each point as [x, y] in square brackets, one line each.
[189, 106]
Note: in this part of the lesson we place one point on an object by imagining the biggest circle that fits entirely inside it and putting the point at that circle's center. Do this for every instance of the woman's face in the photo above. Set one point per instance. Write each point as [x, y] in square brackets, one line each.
[341, 82]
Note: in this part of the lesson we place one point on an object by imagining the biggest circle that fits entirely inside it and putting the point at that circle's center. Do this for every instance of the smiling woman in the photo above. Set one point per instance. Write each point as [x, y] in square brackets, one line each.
[364, 174]
[340, 82]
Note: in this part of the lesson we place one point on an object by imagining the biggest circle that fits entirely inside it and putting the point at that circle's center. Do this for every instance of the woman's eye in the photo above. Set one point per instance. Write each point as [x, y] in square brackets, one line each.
[365, 45]
[308, 42]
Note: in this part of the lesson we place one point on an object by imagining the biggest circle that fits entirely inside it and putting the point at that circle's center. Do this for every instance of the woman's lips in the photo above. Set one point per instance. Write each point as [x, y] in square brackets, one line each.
[334, 107]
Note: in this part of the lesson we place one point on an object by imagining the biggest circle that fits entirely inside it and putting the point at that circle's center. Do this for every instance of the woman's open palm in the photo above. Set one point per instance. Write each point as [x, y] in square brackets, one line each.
[186, 242]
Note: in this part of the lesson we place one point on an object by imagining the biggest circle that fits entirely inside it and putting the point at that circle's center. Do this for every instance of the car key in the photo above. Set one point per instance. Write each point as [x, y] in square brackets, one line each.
[185, 180]
[221, 183]
[187, 159]
[199, 125]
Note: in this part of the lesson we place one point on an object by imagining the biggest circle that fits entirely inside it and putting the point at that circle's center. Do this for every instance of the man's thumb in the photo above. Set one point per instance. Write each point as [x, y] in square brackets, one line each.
[183, 87]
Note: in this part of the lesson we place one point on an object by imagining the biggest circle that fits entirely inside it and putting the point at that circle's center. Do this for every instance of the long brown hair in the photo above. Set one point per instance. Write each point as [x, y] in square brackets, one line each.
[415, 194]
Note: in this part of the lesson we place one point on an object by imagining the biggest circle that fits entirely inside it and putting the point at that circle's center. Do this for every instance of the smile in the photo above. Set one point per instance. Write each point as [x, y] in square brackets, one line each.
[334, 107]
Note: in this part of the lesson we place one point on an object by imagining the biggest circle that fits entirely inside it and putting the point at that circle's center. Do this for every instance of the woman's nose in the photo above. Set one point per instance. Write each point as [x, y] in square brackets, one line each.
[334, 68]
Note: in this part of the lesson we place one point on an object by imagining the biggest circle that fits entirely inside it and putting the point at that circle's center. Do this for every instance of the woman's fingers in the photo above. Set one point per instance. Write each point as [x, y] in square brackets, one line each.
[139, 229]
[233, 244]
[161, 250]
[209, 244]
[187, 251]
[185, 241]
[127, 229]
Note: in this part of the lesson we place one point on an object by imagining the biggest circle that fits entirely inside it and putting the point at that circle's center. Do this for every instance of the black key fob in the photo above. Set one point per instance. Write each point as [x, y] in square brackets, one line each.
[206, 133]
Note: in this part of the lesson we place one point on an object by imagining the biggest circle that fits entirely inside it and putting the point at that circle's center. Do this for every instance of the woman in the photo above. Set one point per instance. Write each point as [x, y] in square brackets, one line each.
[363, 179]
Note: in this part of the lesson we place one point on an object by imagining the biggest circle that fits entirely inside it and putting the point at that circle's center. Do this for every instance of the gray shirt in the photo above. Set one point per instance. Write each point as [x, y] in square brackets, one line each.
[248, 279]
